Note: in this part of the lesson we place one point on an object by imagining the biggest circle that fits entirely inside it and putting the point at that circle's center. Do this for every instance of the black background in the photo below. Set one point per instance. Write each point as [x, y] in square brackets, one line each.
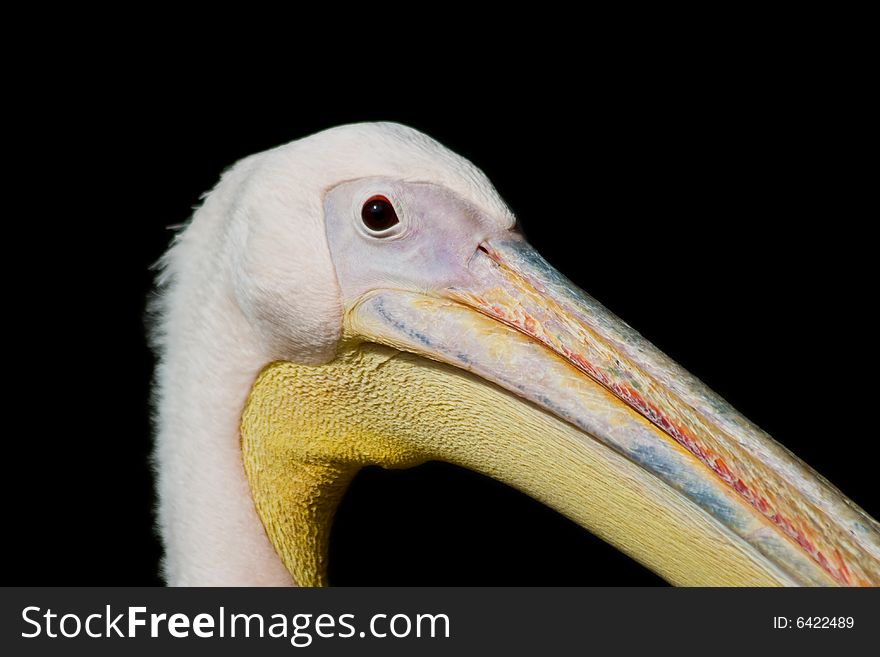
[719, 207]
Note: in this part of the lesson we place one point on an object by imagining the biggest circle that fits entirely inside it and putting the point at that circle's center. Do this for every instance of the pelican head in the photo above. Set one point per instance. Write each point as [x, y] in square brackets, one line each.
[364, 296]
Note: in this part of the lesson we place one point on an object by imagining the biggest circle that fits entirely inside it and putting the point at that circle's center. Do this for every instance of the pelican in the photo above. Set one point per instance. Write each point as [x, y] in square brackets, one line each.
[363, 296]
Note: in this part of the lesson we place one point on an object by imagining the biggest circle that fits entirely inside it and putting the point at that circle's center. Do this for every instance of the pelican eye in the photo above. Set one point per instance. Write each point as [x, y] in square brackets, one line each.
[378, 214]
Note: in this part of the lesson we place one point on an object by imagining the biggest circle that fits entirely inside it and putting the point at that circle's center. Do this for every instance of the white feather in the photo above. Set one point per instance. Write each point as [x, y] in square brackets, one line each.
[250, 280]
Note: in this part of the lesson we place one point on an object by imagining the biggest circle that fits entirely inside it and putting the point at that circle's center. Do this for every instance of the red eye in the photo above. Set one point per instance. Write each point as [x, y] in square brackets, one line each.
[378, 214]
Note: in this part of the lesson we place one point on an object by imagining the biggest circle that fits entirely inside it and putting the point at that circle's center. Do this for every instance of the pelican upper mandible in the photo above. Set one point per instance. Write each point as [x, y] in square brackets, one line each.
[363, 296]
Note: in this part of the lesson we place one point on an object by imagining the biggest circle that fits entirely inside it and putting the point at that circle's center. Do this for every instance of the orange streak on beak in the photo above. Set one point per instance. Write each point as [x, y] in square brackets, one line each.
[738, 454]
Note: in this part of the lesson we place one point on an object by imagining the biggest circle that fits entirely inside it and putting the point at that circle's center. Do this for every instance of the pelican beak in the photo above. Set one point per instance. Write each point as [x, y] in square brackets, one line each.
[722, 485]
